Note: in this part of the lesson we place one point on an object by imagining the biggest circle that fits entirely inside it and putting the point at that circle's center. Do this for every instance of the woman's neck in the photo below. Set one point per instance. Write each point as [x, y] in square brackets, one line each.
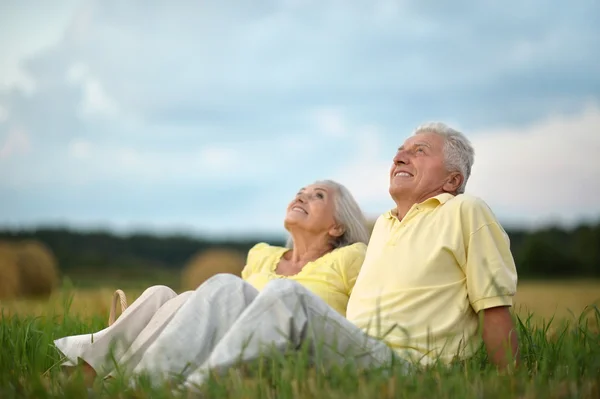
[307, 250]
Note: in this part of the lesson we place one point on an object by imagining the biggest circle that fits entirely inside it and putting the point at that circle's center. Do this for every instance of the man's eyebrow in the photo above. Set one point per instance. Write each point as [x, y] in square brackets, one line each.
[419, 144]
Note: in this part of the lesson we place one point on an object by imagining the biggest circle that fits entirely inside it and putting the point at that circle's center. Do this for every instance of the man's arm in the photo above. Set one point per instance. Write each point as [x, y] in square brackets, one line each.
[500, 336]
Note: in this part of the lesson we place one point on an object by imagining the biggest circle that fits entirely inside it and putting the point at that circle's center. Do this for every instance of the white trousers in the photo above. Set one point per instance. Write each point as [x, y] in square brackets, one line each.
[221, 323]
[284, 316]
[131, 334]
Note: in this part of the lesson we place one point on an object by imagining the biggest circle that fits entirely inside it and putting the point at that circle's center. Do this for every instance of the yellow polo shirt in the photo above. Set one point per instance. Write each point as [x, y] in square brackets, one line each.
[330, 277]
[425, 278]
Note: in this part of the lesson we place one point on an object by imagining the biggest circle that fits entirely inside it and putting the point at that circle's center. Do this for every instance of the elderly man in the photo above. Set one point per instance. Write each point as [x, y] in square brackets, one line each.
[437, 280]
[438, 260]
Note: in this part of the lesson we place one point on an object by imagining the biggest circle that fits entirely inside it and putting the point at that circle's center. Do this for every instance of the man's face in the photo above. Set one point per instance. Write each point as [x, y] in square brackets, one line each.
[419, 171]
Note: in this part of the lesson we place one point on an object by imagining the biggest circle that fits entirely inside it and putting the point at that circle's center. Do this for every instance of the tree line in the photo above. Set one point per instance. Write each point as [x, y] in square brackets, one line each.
[549, 252]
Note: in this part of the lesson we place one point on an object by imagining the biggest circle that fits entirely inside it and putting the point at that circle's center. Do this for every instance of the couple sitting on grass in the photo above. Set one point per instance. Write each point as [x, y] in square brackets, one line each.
[435, 282]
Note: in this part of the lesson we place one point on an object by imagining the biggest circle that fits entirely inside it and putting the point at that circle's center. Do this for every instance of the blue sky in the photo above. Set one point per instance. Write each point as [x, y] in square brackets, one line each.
[206, 117]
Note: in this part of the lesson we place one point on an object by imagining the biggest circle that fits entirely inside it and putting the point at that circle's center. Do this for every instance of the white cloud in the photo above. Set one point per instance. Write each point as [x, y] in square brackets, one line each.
[297, 143]
[331, 122]
[16, 78]
[80, 149]
[366, 173]
[17, 142]
[111, 161]
[96, 101]
[549, 170]
[218, 158]
[77, 73]
[3, 114]
[26, 29]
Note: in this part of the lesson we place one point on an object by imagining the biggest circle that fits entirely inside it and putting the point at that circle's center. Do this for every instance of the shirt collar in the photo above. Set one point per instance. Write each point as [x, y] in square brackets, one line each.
[439, 199]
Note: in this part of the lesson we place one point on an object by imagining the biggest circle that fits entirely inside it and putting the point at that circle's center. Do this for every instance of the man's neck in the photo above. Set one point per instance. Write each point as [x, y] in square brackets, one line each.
[404, 205]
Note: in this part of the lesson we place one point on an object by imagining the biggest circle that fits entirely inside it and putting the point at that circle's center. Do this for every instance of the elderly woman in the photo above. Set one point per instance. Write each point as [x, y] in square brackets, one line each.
[165, 333]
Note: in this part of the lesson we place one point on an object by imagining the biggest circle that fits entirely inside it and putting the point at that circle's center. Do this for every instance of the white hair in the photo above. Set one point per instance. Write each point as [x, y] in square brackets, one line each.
[347, 214]
[458, 151]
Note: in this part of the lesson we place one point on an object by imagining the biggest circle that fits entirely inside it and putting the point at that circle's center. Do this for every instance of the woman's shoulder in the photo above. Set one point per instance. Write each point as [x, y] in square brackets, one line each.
[352, 252]
[265, 247]
[261, 250]
[348, 262]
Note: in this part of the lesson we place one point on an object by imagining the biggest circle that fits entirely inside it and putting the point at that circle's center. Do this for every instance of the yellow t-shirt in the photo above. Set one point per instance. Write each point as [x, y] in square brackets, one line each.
[331, 277]
[428, 276]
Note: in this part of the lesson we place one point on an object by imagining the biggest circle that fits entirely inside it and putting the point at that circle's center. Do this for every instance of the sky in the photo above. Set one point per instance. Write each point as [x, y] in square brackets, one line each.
[207, 117]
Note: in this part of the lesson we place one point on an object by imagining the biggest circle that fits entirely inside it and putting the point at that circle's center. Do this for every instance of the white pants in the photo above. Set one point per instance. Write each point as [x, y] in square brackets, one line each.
[226, 320]
[131, 334]
[284, 316]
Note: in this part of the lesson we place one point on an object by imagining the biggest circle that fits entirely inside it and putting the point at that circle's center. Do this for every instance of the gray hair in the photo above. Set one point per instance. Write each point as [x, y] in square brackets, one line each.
[458, 151]
[348, 214]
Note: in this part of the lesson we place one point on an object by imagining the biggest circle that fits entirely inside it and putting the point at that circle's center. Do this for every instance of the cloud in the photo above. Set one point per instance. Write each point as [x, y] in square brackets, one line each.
[95, 101]
[219, 158]
[16, 143]
[80, 149]
[548, 170]
[16, 21]
[366, 172]
[3, 114]
[113, 162]
[273, 56]
[330, 122]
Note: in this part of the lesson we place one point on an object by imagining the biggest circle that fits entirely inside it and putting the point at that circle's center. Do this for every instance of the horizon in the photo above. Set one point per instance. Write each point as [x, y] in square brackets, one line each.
[195, 234]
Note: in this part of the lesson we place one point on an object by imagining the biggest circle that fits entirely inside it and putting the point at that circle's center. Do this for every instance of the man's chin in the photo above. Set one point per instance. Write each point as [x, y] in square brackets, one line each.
[395, 189]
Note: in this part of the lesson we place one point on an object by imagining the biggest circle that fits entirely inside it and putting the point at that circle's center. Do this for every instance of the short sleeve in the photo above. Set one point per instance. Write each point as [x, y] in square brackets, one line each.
[253, 259]
[490, 268]
[351, 263]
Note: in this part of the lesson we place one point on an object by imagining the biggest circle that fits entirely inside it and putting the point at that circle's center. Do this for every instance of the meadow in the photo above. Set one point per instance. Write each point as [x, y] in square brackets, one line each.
[558, 322]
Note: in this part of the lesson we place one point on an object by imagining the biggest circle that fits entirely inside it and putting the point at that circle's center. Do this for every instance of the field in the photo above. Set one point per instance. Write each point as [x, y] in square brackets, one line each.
[559, 335]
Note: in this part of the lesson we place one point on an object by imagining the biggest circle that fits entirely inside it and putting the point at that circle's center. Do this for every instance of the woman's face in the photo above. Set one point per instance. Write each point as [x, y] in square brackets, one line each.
[312, 210]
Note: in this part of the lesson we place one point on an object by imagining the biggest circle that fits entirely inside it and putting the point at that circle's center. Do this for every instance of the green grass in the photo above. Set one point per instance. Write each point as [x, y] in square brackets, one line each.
[560, 360]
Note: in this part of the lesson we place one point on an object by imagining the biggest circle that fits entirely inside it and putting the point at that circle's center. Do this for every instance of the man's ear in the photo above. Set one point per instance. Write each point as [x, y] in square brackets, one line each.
[453, 183]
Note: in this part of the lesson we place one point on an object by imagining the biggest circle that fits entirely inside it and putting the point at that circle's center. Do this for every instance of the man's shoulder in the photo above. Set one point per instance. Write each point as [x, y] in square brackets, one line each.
[467, 202]
[473, 210]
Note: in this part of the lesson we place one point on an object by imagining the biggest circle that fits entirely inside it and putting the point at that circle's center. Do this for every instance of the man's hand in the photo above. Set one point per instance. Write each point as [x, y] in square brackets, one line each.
[500, 336]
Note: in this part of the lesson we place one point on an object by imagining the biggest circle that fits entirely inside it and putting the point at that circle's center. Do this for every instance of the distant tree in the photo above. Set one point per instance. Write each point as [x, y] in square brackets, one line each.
[585, 248]
[546, 254]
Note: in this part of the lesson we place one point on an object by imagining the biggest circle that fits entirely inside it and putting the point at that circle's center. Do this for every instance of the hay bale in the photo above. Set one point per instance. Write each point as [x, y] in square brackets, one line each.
[206, 264]
[9, 272]
[37, 268]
